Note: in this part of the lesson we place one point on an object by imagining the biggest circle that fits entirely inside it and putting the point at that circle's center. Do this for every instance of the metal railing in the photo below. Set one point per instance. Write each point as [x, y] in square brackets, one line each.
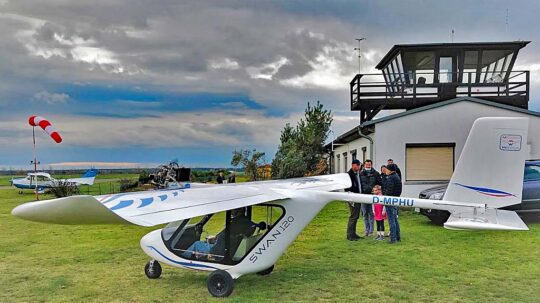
[499, 84]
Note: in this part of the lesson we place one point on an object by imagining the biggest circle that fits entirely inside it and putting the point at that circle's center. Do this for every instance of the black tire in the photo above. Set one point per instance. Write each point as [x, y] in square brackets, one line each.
[220, 284]
[152, 269]
[266, 271]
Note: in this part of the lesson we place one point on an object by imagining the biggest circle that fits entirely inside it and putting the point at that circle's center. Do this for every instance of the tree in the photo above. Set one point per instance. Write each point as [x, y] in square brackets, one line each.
[301, 149]
[250, 160]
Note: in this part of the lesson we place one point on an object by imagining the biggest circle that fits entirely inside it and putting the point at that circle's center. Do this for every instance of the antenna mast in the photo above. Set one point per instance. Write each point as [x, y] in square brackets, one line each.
[359, 53]
[506, 22]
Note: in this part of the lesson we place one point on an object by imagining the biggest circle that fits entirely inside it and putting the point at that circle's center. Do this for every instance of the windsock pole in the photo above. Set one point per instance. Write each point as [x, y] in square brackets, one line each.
[35, 161]
[47, 127]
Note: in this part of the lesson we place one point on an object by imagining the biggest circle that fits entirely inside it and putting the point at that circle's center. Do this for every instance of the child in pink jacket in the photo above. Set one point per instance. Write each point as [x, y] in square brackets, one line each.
[379, 213]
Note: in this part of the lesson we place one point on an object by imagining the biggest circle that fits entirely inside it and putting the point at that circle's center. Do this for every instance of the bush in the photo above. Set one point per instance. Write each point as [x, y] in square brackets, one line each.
[128, 184]
[64, 189]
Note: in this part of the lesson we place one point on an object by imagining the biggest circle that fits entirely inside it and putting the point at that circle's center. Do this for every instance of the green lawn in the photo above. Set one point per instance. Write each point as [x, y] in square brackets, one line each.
[56, 263]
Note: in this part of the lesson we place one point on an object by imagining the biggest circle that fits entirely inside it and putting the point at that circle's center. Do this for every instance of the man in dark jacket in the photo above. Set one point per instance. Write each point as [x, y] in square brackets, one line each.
[232, 177]
[398, 171]
[354, 174]
[383, 174]
[220, 178]
[369, 177]
[392, 187]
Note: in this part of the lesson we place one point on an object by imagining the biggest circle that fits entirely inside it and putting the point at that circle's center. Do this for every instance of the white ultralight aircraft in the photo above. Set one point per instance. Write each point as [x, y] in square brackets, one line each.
[40, 181]
[488, 175]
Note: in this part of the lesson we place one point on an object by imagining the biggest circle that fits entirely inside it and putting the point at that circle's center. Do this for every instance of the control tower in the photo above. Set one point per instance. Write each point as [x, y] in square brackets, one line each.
[415, 75]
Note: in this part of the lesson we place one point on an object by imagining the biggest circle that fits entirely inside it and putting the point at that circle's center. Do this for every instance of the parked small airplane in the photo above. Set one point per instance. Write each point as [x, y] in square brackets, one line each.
[44, 181]
[488, 175]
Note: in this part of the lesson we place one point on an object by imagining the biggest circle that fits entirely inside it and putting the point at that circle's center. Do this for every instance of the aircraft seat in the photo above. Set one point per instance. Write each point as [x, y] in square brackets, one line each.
[245, 245]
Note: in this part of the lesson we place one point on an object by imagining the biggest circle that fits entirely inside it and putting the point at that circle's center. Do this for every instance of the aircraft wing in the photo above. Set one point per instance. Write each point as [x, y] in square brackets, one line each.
[151, 208]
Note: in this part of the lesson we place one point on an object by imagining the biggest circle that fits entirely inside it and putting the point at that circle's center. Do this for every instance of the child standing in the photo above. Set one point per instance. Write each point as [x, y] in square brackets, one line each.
[379, 212]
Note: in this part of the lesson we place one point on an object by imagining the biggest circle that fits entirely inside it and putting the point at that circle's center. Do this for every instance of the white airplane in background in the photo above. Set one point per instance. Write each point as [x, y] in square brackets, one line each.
[44, 180]
[488, 175]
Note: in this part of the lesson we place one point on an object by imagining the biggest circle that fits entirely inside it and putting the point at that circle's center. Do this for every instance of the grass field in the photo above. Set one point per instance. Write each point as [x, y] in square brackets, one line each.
[53, 263]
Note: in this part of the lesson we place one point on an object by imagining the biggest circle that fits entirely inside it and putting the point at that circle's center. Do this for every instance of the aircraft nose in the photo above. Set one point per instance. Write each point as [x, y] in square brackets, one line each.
[150, 240]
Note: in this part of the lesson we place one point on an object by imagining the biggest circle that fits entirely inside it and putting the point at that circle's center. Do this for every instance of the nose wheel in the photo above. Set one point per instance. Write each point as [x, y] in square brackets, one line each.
[220, 284]
[152, 269]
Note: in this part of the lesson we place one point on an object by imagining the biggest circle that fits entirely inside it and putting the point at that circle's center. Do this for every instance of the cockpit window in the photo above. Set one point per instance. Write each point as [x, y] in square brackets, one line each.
[169, 230]
[225, 237]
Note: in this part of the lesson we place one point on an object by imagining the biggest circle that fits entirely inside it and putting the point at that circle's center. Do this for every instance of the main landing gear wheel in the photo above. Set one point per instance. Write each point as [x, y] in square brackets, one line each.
[220, 284]
[152, 269]
[266, 271]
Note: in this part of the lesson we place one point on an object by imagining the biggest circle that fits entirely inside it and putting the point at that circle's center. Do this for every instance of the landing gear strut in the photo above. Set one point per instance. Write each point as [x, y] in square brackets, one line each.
[220, 284]
[152, 269]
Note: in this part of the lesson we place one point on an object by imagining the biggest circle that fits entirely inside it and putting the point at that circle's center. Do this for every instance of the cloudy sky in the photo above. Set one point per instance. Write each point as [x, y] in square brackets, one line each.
[149, 81]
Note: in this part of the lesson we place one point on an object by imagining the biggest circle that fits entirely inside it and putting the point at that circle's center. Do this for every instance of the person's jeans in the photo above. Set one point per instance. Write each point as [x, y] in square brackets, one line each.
[353, 218]
[391, 212]
[369, 220]
[197, 247]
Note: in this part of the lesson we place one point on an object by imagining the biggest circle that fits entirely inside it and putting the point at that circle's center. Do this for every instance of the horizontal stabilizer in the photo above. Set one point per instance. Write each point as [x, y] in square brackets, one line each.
[488, 219]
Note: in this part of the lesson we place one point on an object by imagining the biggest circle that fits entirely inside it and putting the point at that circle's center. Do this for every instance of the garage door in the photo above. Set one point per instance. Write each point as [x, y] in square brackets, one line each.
[429, 162]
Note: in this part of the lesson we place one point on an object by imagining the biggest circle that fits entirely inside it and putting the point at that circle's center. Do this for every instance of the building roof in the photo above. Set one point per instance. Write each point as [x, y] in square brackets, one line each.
[440, 46]
[353, 133]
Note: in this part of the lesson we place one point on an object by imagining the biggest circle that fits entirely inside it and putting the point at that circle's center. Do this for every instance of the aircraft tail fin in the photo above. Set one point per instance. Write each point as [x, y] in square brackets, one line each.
[87, 179]
[90, 173]
[490, 168]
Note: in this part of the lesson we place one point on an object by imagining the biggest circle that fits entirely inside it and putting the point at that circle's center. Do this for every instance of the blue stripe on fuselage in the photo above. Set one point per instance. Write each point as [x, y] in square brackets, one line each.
[181, 263]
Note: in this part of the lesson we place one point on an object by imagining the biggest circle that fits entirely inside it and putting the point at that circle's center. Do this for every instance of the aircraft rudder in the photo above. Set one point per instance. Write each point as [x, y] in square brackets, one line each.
[490, 168]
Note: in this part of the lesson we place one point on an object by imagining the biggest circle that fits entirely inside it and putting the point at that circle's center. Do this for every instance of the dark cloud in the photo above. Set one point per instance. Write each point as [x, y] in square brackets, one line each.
[281, 54]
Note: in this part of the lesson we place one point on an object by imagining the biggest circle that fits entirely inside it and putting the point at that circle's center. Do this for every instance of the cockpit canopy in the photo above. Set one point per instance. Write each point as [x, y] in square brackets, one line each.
[225, 237]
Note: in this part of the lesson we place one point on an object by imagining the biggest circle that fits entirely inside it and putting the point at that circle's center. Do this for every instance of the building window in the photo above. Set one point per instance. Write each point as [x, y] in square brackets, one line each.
[338, 163]
[429, 162]
[344, 162]
[353, 155]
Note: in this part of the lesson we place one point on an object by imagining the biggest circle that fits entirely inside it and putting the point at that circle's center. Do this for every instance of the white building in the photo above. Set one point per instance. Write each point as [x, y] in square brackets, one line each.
[443, 88]
[425, 142]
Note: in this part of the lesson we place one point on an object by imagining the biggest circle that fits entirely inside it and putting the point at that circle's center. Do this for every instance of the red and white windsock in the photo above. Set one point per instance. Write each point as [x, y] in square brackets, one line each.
[46, 126]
